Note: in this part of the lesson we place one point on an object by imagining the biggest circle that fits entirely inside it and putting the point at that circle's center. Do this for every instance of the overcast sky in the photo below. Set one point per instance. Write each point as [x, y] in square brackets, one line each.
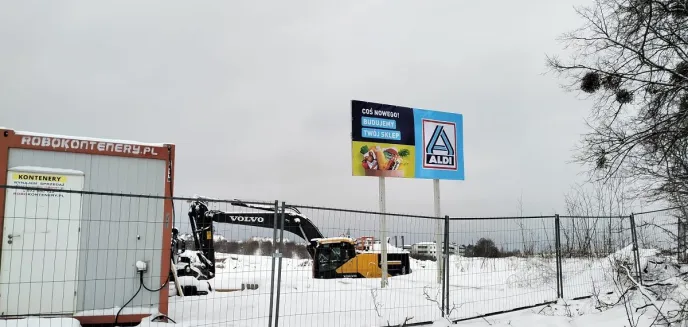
[256, 95]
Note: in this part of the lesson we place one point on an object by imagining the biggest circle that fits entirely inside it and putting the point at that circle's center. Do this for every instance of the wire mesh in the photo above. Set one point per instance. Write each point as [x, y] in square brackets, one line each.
[591, 249]
[240, 290]
[501, 264]
[75, 253]
[662, 231]
[309, 301]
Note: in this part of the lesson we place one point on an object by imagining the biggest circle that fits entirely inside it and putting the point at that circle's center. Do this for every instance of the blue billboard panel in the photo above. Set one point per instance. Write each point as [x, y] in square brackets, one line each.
[439, 144]
[394, 141]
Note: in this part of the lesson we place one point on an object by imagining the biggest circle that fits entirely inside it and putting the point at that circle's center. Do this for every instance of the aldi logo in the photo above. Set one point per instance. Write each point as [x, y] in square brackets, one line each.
[439, 145]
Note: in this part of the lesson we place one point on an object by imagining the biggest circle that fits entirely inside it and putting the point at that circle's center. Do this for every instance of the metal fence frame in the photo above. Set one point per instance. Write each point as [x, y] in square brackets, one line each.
[556, 220]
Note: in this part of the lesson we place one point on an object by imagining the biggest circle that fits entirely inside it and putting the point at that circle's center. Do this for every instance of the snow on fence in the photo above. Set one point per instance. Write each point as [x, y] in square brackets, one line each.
[264, 273]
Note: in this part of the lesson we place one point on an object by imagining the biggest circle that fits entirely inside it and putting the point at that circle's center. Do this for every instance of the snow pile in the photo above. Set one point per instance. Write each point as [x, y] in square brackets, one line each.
[220, 238]
[563, 314]
[477, 286]
[659, 301]
[269, 239]
[201, 285]
[146, 322]
[261, 239]
[533, 272]
[192, 255]
[626, 255]
[377, 247]
[441, 323]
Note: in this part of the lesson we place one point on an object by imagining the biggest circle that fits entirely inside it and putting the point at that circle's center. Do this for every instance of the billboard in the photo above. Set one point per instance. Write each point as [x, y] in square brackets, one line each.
[395, 141]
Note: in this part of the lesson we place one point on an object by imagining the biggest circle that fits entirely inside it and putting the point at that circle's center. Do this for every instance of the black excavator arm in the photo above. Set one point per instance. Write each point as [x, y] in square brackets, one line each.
[201, 220]
[332, 254]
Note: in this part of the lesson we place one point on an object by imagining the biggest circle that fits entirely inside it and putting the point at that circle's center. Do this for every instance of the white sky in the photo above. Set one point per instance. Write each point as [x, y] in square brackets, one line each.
[256, 95]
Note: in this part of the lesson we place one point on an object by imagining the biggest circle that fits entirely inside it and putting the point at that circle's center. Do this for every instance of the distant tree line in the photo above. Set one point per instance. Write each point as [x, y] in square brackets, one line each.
[256, 247]
[486, 248]
[483, 248]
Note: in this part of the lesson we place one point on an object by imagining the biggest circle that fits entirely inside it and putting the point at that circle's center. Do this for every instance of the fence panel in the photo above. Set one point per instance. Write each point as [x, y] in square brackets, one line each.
[306, 301]
[591, 250]
[72, 252]
[75, 253]
[662, 231]
[501, 264]
[241, 288]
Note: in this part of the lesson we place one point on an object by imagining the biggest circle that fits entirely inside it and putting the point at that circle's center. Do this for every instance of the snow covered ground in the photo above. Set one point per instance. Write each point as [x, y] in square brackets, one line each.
[478, 286]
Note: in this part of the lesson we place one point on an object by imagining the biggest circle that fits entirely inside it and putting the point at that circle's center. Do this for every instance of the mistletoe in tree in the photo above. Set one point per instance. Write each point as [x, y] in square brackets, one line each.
[631, 58]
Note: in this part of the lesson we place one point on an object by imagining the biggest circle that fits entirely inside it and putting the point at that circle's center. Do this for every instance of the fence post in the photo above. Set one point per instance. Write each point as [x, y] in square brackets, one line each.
[557, 246]
[681, 241]
[444, 280]
[679, 244]
[446, 262]
[636, 253]
[274, 255]
[278, 253]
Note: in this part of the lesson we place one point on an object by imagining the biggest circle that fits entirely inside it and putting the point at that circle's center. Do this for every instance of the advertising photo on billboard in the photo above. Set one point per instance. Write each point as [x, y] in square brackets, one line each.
[403, 142]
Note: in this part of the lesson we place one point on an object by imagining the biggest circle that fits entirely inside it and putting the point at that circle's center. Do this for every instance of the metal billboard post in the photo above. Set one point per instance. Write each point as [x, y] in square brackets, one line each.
[438, 229]
[383, 233]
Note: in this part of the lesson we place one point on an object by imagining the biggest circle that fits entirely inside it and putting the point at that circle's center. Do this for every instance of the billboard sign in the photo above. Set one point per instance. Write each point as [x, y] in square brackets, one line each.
[395, 141]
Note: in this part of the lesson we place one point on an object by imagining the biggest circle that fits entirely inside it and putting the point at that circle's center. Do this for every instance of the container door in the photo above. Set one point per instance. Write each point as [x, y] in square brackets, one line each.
[40, 242]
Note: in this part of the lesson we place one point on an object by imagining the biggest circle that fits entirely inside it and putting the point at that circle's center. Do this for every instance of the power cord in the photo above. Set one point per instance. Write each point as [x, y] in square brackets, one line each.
[163, 316]
[132, 298]
[142, 285]
[159, 289]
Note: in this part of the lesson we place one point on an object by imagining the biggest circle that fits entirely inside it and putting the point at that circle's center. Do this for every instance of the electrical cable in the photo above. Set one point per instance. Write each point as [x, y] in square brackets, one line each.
[163, 316]
[141, 284]
[132, 298]
[159, 289]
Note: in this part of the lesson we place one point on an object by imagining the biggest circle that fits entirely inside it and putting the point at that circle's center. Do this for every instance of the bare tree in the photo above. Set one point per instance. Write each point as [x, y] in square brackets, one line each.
[378, 306]
[528, 242]
[631, 57]
[597, 222]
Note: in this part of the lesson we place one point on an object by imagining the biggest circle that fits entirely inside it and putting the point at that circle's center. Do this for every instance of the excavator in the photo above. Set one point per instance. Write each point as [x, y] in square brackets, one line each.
[333, 257]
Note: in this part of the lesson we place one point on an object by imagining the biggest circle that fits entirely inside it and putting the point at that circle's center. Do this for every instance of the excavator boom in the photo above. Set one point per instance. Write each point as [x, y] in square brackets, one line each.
[202, 219]
[332, 257]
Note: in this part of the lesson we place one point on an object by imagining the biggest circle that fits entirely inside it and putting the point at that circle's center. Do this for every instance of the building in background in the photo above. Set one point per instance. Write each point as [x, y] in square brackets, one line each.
[430, 248]
[461, 250]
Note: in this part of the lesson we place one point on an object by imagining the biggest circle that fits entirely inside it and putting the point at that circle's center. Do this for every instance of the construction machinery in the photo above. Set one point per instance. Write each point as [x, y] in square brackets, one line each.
[333, 257]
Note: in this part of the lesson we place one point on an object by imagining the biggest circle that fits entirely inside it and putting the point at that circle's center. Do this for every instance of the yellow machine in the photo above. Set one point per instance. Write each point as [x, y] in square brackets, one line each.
[337, 257]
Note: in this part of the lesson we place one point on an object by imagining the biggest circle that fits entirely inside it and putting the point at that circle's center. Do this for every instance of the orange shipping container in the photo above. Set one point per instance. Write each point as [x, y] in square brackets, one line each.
[74, 252]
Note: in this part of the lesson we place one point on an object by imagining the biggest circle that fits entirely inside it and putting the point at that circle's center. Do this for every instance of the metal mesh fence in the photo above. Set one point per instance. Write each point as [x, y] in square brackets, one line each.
[75, 253]
[590, 246]
[662, 230]
[239, 292]
[306, 301]
[79, 254]
[502, 264]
